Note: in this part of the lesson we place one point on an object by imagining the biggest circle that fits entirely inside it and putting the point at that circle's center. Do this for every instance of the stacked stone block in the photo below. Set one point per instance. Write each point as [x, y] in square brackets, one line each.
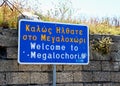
[102, 70]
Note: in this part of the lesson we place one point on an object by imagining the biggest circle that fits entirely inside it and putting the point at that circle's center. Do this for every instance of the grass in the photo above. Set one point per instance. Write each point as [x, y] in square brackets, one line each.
[96, 28]
[101, 29]
[10, 17]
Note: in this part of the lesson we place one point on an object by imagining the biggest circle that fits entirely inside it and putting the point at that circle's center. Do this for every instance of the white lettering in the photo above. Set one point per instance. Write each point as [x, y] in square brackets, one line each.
[32, 45]
[47, 47]
[33, 54]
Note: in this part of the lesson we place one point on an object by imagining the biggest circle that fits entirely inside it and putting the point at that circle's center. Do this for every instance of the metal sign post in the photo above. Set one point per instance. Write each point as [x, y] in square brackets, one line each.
[54, 75]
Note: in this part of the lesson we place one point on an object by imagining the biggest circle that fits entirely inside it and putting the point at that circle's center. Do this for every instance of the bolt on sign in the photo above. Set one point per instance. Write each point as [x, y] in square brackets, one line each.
[52, 43]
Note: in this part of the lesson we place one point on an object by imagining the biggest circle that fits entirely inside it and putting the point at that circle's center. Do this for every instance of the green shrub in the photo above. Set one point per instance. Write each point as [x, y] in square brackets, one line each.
[102, 45]
[5, 25]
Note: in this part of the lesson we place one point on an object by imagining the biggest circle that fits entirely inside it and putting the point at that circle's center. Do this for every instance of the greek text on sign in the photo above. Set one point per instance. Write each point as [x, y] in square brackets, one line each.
[52, 43]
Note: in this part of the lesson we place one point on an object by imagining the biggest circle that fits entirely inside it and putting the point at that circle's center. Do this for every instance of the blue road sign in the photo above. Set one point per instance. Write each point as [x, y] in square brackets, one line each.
[52, 43]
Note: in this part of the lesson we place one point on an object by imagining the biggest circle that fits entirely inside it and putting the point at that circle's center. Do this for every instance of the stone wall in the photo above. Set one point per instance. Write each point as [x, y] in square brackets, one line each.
[103, 70]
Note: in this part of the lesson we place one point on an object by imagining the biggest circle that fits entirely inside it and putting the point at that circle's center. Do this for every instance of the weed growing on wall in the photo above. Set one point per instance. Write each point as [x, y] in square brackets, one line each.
[102, 45]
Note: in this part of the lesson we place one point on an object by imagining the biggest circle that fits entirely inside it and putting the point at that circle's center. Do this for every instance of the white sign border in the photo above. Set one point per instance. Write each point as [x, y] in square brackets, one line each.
[47, 63]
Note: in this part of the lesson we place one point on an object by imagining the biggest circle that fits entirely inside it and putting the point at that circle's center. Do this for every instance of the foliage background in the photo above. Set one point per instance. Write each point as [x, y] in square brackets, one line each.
[62, 12]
